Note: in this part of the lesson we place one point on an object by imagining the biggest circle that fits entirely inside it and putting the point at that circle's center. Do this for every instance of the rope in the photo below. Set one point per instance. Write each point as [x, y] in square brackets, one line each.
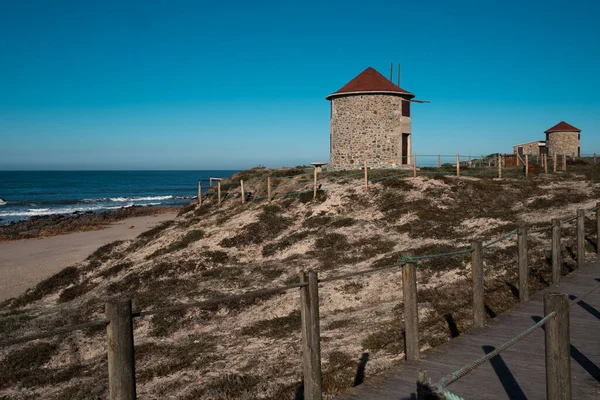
[352, 274]
[414, 259]
[456, 375]
[578, 299]
[200, 304]
[501, 238]
[54, 332]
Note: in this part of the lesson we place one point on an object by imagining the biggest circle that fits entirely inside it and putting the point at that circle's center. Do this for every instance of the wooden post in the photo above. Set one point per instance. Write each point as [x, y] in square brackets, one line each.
[311, 347]
[526, 165]
[598, 229]
[269, 188]
[315, 186]
[564, 166]
[545, 163]
[594, 158]
[580, 238]
[414, 165]
[121, 362]
[499, 166]
[558, 347]
[243, 194]
[523, 268]
[366, 177]
[555, 161]
[423, 386]
[219, 191]
[411, 311]
[439, 161]
[199, 194]
[478, 294]
[457, 164]
[556, 258]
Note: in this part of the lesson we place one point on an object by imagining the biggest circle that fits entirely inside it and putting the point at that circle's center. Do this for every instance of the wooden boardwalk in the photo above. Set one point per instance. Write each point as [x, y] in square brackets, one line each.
[519, 372]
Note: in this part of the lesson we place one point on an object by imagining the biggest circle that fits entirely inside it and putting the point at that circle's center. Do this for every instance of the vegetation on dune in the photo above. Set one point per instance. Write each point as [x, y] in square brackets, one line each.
[249, 348]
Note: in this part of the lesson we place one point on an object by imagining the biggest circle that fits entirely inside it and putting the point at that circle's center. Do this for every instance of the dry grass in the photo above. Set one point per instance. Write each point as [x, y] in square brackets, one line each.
[249, 349]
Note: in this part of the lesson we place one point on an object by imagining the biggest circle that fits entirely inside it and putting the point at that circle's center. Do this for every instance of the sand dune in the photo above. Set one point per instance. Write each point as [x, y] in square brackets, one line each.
[26, 262]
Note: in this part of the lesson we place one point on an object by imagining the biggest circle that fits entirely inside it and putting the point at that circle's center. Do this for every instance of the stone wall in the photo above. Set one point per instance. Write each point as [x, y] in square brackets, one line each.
[528, 148]
[367, 127]
[563, 143]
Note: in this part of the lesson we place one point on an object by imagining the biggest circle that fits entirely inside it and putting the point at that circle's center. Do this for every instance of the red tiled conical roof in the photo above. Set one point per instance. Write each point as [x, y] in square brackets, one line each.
[562, 126]
[370, 81]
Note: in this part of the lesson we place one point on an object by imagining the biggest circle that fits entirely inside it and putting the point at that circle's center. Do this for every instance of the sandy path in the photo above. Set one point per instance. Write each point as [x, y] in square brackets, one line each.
[25, 263]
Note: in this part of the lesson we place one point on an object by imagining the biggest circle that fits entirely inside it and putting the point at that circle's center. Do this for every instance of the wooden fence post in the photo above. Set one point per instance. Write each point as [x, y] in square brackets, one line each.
[594, 158]
[564, 166]
[119, 341]
[414, 165]
[439, 161]
[199, 194]
[545, 163]
[366, 177]
[558, 347]
[597, 228]
[311, 340]
[457, 164]
[500, 166]
[556, 258]
[580, 238]
[411, 311]
[243, 194]
[523, 268]
[478, 291]
[219, 191]
[526, 165]
[555, 161]
[315, 185]
[269, 188]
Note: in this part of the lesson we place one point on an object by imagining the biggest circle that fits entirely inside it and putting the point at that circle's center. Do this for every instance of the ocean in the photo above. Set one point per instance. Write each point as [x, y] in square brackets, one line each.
[24, 194]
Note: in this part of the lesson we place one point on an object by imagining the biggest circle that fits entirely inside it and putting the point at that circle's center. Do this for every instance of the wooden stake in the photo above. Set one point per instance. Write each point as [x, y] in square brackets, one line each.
[199, 194]
[499, 166]
[526, 165]
[580, 238]
[119, 343]
[411, 311]
[478, 291]
[545, 163]
[243, 194]
[366, 176]
[558, 347]
[457, 164]
[311, 347]
[269, 188]
[556, 258]
[555, 161]
[523, 268]
[315, 186]
[564, 162]
[439, 161]
[414, 165]
[219, 191]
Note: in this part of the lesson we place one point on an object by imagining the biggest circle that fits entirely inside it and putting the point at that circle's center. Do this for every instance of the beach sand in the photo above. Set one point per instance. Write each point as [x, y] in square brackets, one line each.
[24, 263]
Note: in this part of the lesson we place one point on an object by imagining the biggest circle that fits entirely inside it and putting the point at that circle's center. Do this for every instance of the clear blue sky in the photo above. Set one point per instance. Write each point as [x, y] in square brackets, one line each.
[233, 84]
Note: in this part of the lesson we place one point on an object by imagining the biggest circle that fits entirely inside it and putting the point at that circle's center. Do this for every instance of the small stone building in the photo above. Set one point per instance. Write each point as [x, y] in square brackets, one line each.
[370, 121]
[562, 138]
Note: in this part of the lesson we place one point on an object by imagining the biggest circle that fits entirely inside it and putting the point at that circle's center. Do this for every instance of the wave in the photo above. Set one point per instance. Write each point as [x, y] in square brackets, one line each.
[2, 202]
[67, 210]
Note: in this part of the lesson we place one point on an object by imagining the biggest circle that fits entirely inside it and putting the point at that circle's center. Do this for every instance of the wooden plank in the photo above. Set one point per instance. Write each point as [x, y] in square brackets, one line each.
[478, 291]
[523, 267]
